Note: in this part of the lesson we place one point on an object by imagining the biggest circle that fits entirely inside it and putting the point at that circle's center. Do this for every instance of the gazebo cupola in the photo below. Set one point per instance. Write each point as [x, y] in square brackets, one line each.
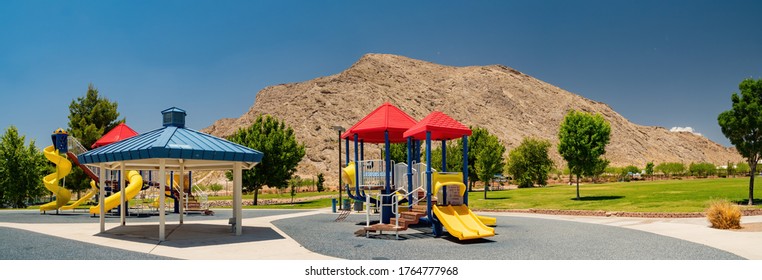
[174, 117]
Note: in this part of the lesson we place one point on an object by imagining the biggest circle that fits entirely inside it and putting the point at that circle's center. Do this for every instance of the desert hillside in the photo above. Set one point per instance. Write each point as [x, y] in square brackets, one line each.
[510, 104]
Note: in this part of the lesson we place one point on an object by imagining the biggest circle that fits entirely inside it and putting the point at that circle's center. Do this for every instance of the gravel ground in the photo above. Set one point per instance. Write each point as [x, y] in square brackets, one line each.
[27, 245]
[34, 216]
[516, 238]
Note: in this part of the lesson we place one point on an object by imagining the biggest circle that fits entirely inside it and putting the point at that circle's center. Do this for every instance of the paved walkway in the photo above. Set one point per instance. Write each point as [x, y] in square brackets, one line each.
[744, 244]
[205, 239]
[210, 238]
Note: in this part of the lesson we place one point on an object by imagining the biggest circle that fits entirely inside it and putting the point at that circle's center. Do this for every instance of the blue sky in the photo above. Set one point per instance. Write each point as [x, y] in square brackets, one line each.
[662, 63]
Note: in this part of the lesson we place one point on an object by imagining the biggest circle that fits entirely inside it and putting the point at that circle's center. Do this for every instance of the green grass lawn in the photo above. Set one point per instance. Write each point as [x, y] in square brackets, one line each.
[641, 196]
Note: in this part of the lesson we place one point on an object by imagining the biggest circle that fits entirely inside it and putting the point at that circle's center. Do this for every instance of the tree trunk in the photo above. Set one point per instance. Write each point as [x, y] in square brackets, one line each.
[577, 186]
[256, 194]
[751, 182]
[486, 188]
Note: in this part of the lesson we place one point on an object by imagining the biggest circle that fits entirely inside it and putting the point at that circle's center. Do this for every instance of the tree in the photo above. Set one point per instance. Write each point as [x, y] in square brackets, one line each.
[582, 140]
[490, 160]
[475, 141]
[475, 144]
[671, 168]
[743, 168]
[650, 169]
[628, 171]
[90, 116]
[730, 169]
[454, 157]
[614, 171]
[398, 152]
[215, 188]
[21, 170]
[742, 125]
[294, 183]
[455, 154]
[598, 168]
[702, 169]
[320, 182]
[281, 150]
[529, 163]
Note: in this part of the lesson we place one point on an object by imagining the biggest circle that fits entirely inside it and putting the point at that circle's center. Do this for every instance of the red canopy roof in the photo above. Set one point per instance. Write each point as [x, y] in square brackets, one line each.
[441, 126]
[386, 117]
[120, 132]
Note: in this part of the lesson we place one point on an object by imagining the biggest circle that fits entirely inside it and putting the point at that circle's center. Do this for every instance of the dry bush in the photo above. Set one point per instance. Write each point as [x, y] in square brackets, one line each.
[724, 215]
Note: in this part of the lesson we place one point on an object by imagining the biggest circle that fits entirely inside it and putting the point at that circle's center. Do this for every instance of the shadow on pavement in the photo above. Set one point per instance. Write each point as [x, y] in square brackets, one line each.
[190, 235]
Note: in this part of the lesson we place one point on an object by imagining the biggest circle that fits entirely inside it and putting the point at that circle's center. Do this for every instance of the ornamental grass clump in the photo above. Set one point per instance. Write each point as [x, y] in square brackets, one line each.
[724, 215]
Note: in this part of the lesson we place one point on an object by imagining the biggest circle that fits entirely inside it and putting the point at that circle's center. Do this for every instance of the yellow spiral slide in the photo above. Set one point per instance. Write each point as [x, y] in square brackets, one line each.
[93, 190]
[63, 167]
[136, 183]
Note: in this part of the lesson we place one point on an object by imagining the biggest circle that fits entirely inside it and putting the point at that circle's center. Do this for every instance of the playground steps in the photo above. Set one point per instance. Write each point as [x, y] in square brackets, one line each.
[407, 218]
[412, 215]
[380, 228]
[193, 205]
[421, 208]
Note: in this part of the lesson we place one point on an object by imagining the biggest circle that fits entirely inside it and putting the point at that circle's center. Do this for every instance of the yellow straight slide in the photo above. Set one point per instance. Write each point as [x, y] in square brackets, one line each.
[88, 195]
[487, 221]
[461, 222]
[136, 183]
[63, 167]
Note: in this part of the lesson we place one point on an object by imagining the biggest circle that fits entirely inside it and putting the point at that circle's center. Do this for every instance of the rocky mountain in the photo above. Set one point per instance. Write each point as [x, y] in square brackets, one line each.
[510, 104]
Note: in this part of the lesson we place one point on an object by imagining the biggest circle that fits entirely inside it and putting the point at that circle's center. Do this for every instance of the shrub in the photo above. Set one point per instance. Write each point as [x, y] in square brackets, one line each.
[320, 182]
[724, 215]
[215, 188]
[743, 168]
[671, 168]
[702, 169]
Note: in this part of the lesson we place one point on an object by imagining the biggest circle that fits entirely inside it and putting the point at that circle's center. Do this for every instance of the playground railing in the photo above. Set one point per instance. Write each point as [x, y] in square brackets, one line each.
[419, 176]
[201, 195]
[395, 195]
[76, 148]
[400, 176]
[417, 198]
[372, 173]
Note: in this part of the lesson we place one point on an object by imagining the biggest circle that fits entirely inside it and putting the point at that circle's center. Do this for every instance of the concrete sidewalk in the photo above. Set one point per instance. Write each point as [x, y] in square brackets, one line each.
[697, 230]
[194, 240]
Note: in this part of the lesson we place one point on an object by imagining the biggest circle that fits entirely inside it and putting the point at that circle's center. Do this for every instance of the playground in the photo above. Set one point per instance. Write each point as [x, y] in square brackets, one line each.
[395, 196]
[402, 210]
[411, 193]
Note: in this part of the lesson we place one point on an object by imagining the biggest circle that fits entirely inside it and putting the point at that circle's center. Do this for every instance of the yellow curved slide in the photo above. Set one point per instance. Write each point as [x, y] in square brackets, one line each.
[63, 167]
[136, 183]
[88, 195]
[461, 222]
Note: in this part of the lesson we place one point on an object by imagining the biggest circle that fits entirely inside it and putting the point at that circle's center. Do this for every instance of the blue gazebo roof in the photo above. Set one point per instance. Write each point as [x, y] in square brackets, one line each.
[180, 147]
